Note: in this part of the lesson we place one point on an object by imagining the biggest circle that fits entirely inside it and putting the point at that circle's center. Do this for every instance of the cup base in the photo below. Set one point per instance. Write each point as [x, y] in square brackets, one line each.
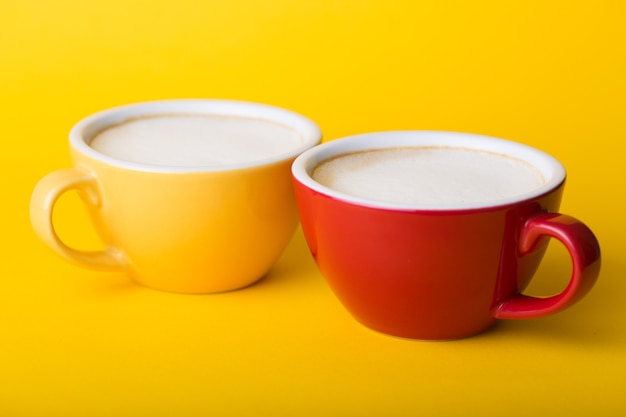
[197, 290]
[431, 335]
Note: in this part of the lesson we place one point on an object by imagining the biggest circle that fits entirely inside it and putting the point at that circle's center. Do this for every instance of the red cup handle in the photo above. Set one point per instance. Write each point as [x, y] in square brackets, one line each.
[585, 252]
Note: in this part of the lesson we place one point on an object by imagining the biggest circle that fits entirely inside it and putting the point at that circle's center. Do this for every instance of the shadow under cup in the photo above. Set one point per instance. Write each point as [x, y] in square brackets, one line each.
[440, 272]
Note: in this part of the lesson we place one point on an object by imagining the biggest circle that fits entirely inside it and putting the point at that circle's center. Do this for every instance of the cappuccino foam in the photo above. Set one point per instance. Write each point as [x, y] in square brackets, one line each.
[428, 175]
[195, 140]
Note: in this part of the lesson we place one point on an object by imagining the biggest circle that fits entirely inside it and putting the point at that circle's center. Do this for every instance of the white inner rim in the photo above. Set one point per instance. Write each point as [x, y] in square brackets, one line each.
[551, 169]
[83, 131]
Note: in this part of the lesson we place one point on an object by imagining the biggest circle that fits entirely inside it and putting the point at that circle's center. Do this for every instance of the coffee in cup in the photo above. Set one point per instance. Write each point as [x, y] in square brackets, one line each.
[195, 140]
[437, 176]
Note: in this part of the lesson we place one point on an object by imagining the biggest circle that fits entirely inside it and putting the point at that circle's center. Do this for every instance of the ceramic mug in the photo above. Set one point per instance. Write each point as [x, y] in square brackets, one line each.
[186, 229]
[435, 273]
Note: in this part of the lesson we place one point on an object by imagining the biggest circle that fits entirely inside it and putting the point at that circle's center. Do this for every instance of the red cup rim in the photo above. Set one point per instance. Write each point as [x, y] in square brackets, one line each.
[551, 169]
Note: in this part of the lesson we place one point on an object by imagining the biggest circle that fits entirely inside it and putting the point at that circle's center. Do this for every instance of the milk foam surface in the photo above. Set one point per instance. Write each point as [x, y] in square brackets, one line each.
[195, 140]
[428, 176]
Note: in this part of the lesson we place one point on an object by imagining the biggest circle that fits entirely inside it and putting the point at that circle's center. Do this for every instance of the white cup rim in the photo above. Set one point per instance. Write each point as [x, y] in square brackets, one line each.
[552, 170]
[82, 131]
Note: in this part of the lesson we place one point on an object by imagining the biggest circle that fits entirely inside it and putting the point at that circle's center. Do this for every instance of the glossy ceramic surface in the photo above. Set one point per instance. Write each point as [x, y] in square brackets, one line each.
[440, 273]
[189, 230]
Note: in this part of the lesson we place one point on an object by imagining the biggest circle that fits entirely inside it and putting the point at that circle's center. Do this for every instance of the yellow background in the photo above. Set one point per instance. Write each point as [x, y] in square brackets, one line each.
[75, 342]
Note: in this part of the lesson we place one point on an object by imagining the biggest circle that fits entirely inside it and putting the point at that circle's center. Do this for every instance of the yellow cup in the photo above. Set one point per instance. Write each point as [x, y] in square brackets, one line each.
[179, 229]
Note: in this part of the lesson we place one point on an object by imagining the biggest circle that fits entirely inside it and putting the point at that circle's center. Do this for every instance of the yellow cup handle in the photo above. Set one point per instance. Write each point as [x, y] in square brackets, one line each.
[44, 197]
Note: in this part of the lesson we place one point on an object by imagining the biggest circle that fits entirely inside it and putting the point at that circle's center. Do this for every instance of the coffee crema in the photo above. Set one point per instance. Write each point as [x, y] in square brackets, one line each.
[195, 140]
[435, 176]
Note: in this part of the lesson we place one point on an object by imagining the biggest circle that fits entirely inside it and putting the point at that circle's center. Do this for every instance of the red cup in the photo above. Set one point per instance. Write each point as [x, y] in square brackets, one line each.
[437, 273]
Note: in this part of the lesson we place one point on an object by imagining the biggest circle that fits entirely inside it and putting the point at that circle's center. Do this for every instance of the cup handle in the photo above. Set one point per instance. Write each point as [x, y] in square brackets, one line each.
[44, 197]
[584, 251]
